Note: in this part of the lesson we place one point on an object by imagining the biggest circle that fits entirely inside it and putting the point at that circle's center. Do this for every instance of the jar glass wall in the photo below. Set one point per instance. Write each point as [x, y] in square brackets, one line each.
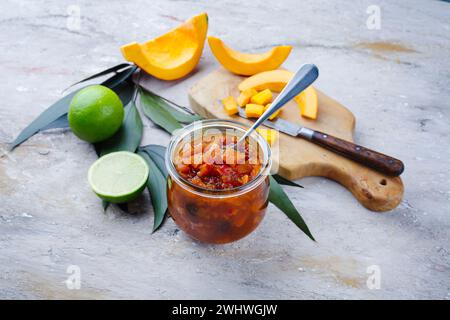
[219, 215]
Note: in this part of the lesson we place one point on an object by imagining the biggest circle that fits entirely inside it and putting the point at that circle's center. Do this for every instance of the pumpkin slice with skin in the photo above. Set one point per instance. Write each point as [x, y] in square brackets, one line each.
[275, 81]
[307, 100]
[247, 64]
[172, 55]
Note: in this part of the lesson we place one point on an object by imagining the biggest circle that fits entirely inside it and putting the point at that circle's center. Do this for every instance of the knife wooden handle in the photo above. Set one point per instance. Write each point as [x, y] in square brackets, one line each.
[367, 157]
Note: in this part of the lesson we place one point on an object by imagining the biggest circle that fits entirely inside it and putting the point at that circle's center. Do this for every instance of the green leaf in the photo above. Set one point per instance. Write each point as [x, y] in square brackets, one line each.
[129, 135]
[61, 122]
[105, 205]
[56, 110]
[123, 206]
[280, 199]
[102, 73]
[158, 114]
[157, 153]
[53, 116]
[173, 104]
[285, 181]
[127, 138]
[119, 77]
[125, 91]
[156, 185]
[180, 116]
[158, 149]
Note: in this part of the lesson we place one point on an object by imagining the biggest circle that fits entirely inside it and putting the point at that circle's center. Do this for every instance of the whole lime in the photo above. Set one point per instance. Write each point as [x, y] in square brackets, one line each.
[95, 113]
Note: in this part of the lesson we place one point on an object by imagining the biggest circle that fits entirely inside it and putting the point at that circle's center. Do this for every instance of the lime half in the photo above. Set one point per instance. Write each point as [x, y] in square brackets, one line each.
[118, 176]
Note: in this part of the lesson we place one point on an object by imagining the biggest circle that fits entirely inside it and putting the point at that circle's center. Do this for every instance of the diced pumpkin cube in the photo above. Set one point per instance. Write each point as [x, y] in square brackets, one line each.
[230, 106]
[254, 110]
[275, 114]
[245, 96]
[262, 97]
[269, 135]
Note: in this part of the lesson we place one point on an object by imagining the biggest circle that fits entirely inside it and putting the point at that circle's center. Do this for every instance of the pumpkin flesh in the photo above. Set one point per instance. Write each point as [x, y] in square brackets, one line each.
[172, 55]
[247, 64]
[275, 81]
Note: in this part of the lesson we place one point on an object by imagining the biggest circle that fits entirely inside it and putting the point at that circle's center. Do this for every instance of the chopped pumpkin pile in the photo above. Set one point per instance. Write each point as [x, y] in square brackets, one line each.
[275, 81]
[255, 104]
[256, 95]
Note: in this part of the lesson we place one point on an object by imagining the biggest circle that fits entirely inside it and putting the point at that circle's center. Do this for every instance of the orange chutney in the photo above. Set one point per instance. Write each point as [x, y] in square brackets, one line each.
[217, 193]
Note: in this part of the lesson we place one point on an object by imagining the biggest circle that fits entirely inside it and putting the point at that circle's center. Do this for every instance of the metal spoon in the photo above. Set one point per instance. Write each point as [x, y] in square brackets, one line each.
[301, 80]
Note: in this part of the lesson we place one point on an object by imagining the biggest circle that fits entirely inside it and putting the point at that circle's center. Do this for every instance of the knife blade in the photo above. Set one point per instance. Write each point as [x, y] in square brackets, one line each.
[367, 157]
[284, 126]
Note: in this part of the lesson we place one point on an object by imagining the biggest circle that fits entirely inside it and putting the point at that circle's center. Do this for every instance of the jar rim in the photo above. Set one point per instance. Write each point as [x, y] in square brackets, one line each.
[224, 124]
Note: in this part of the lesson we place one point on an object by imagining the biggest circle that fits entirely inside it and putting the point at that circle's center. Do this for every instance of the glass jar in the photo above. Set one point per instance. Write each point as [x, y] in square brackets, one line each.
[211, 215]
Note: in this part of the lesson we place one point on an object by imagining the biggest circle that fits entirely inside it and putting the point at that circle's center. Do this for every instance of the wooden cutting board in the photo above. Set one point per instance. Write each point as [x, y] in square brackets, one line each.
[300, 158]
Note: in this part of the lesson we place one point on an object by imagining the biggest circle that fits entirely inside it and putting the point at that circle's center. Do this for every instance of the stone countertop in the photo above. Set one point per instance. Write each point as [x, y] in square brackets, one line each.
[395, 79]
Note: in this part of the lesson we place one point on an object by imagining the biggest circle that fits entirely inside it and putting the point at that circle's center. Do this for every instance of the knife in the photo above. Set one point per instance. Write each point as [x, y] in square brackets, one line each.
[370, 158]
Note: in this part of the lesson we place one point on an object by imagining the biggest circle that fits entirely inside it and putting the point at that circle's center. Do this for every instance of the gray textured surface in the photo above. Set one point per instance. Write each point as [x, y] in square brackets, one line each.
[49, 219]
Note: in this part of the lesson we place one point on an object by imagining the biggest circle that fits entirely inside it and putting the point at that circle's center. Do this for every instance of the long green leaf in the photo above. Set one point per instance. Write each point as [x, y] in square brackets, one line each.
[124, 90]
[172, 103]
[156, 185]
[157, 153]
[158, 114]
[160, 150]
[102, 73]
[180, 116]
[53, 116]
[285, 181]
[61, 122]
[281, 200]
[119, 77]
[105, 204]
[129, 135]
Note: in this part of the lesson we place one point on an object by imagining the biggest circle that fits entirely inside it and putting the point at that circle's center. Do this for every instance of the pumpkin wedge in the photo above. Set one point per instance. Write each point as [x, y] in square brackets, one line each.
[307, 100]
[247, 64]
[275, 81]
[172, 55]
